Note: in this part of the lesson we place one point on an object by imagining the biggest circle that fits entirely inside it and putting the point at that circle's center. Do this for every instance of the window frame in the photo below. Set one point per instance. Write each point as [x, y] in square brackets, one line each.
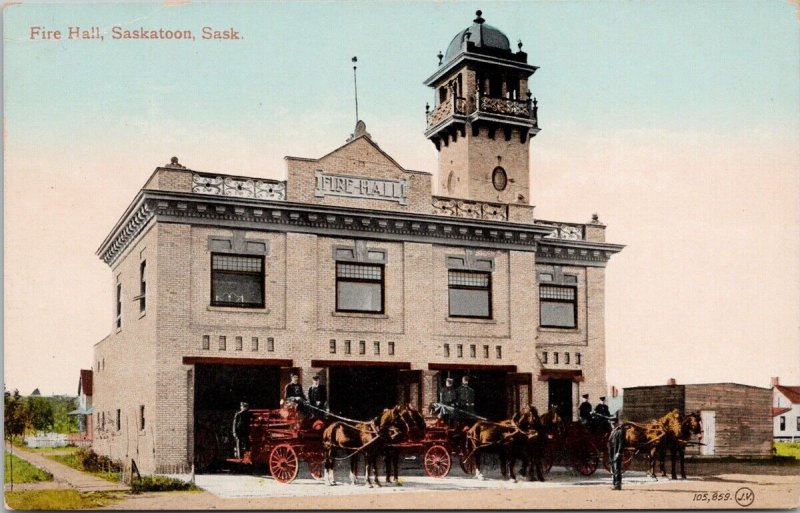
[262, 273]
[382, 283]
[488, 289]
[782, 422]
[573, 302]
[143, 286]
[118, 318]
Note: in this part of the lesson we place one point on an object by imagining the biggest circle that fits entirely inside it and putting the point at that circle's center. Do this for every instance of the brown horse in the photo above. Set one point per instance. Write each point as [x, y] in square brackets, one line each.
[367, 438]
[679, 433]
[506, 438]
[415, 431]
[650, 438]
[549, 426]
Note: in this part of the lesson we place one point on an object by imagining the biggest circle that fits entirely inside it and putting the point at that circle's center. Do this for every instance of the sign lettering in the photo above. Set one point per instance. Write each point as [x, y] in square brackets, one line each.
[361, 187]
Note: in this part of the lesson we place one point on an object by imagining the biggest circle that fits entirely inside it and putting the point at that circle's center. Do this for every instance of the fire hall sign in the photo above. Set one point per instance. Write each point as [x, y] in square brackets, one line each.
[361, 187]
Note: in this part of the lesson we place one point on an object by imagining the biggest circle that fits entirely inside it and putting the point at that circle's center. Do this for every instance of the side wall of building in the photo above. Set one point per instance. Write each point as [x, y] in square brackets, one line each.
[125, 362]
[743, 420]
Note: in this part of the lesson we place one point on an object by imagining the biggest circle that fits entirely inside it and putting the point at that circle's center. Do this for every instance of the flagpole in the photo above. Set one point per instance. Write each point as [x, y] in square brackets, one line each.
[355, 85]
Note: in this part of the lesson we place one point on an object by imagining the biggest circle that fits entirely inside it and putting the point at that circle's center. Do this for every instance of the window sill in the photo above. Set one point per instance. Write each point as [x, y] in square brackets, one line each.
[142, 314]
[363, 315]
[117, 330]
[558, 330]
[472, 320]
[237, 309]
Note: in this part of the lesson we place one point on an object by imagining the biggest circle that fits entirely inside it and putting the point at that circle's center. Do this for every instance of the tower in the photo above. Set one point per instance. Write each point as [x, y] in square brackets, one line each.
[483, 117]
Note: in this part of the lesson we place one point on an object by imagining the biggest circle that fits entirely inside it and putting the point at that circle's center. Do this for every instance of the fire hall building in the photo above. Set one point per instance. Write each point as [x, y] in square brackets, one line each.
[383, 280]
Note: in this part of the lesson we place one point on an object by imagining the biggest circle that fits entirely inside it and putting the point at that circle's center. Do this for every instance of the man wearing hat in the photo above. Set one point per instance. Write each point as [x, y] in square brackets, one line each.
[585, 410]
[447, 397]
[294, 390]
[616, 449]
[241, 429]
[465, 397]
[602, 408]
[317, 396]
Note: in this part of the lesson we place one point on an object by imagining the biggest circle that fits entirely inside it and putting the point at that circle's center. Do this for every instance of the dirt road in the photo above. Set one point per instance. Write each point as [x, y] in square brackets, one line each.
[720, 491]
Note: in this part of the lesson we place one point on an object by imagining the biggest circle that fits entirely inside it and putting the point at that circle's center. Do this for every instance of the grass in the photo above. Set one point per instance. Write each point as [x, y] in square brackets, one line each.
[24, 472]
[74, 460]
[160, 484]
[57, 499]
[787, 449]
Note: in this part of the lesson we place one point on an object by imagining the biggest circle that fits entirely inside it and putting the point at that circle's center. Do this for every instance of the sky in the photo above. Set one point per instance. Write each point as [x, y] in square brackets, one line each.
[677, 122]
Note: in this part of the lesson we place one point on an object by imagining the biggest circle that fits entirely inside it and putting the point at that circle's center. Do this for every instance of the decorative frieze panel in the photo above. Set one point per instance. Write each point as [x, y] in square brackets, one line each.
[470, 209]
[566, 232]
[238, 187]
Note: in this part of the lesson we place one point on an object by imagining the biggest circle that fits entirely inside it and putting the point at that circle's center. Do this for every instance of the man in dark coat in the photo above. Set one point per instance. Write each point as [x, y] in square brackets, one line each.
[602, 408]
[294, 390]
[317, 396]
[616, 448]
[241, 429]
[447, 397]
[585, 410]
[465, 398]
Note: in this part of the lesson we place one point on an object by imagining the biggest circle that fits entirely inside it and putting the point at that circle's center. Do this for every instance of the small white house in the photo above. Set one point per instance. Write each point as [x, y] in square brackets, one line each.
[785, 412]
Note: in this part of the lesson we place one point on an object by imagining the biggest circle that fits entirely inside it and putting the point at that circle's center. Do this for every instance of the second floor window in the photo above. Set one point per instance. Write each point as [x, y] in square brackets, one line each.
[119, 306]
[237, 281]
[558, 306]
[359, 288]
[783, 423]
[142, 286]
[470, 294]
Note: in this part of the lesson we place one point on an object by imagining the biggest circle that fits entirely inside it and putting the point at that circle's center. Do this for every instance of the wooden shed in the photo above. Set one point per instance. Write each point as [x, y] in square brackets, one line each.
[736, 418]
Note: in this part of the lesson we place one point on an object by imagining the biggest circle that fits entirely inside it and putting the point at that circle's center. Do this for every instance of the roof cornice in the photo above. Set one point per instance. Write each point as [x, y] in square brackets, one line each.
[472, 58]
[248, 213]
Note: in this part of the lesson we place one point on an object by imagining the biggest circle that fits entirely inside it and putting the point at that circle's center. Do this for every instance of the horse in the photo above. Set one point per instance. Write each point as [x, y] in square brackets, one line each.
[362, 437]
[415, 432]
[549, 426]
[678, 435]
[651, 437]
[507, 438]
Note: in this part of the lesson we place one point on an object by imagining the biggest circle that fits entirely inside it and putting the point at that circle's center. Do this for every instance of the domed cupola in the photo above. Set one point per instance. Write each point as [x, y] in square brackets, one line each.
[483, 116]
[483, 37]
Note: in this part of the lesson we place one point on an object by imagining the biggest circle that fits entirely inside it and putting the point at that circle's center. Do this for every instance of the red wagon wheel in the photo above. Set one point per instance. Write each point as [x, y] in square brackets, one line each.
[437, 461]
[315, 469]
[584, 462]
[283, 463]
[627, 459]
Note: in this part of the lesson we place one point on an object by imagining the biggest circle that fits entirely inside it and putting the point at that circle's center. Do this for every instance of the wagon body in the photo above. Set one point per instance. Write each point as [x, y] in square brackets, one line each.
[441, 443]
[582, 449]
[281, 438]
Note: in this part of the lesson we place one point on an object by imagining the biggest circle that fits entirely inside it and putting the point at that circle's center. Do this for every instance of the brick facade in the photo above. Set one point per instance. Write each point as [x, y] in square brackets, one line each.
[154, 360]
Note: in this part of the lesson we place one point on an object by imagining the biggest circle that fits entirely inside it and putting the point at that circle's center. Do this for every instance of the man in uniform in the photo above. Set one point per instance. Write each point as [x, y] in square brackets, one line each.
[602, 408]
[616, 447]
[465, 397]
[585, 410]
[317, 396]
[294, 390]
[447, 397]
[241, 429]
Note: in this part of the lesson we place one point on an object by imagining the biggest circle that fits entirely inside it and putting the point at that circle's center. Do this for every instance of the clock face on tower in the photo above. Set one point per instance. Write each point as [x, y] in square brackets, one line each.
[499, 178]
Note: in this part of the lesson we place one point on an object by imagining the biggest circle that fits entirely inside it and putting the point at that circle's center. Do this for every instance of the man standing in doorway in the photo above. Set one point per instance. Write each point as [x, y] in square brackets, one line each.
[447, 398]
[616, 449]
[294, 390]
[317, 396]
[465, 397]
[241, 429]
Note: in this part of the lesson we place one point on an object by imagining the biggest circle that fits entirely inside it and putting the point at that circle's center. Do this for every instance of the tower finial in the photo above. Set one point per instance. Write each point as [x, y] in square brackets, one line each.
[355, 85]
[440, 56]
[478, 19]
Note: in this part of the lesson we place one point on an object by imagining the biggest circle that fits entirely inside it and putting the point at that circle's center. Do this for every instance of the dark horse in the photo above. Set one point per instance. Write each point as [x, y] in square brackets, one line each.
[415, 432]
[549, 425]
[506, 438]
[679, 433]
[367, 438]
